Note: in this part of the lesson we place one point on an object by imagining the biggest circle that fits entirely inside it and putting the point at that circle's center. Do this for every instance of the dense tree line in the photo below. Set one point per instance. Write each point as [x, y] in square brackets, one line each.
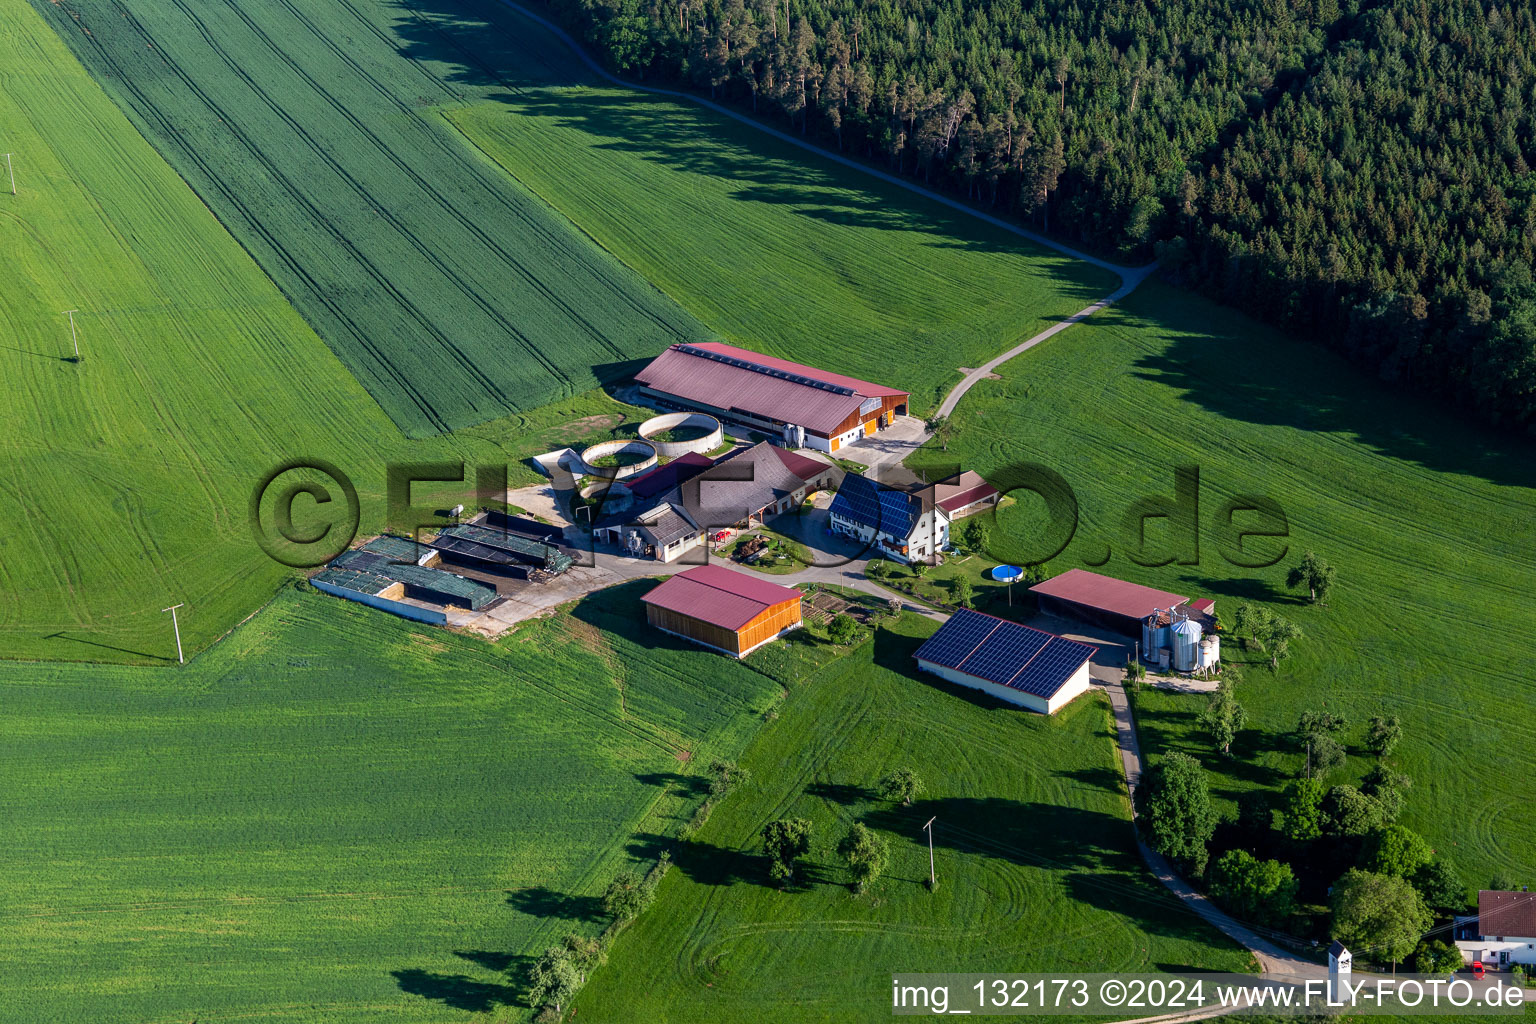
[1354, 171]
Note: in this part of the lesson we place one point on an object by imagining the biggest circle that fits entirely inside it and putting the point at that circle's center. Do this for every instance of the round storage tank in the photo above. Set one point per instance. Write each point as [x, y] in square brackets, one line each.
[1210, 650]
[1186, 645]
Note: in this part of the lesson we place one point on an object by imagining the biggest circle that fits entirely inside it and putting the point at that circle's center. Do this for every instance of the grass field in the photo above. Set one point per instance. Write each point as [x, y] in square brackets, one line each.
[779, 250]
[312, 131]
[127, 474]
[1036, 865]
[1432, 526]
[335, 815]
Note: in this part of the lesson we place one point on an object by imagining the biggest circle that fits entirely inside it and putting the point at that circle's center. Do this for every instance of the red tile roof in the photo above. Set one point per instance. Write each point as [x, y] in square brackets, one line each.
[1501, 912]
[1203, 605]
[1106, 593]
[719, 596]
[969, 496]
[803, 467]
[725, 377]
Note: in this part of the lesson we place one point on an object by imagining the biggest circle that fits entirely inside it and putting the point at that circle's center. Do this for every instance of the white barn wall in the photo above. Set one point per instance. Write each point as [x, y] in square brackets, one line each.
[1070, 690]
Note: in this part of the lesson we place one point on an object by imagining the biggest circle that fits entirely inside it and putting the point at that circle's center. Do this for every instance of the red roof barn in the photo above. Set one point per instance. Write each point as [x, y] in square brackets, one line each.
[718, 607]
[1117, 604]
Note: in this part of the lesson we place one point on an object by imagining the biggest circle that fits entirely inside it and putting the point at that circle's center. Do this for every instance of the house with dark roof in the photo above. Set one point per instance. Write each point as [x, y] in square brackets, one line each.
[729, 611]
[905, 525]
[800, 406]
[1018, 664]
[1504, 930]
[744, 487]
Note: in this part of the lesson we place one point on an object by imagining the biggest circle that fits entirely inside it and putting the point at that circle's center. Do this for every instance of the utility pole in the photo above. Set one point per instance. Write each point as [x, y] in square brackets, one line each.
[177, 627]
[933, 879]
[11, 171]
[74, 337]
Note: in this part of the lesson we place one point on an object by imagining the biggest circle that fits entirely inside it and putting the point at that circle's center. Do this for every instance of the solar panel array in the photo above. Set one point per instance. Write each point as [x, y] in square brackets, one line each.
[863, 501]
[1005, 653]
[767, 371]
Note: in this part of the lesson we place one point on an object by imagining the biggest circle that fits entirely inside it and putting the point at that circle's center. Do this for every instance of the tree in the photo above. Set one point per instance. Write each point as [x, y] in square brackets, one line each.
[1223, 717]
[1301, 819]
[1395, 850]
[586, 952]
[785, 841]
[627, 895]
[1438, 957]
[553, 979]
[1349, 813]
[725, 775]
[941, 430]
[877, 568]
[1441, 887]
[963, 591]
[974, 533]
[1263, 891]
[1383, 734]
[843, 629]
[1179, 811]
[1314, 574]
[1314, 731]
[1386, 787]
[1267, 631]
[1379, 913]
[866, 852]
[900, 784]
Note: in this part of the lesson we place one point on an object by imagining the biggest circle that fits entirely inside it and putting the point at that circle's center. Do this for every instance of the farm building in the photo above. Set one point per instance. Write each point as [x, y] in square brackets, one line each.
[799, 406]
[903, 525]
[390, 574]
[731, 612]
[744, 487]
[1019, 664]
[965, 494]
[500, 551]
[1504, 930]
[1174, 632]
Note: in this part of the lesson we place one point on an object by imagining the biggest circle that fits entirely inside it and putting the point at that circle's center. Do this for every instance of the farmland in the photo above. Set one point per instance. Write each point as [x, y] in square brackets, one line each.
[1428, 521]
[776, 249]
[1034, 856]
[128, 473]
[312, 132]
[335, 815]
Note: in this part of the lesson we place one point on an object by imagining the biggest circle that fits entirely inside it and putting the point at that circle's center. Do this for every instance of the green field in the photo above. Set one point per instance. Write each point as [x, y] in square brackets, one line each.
[779, 250]
[1034, 853]
[335, 815]
[128, 473]
[1432, 526]
[312, 132]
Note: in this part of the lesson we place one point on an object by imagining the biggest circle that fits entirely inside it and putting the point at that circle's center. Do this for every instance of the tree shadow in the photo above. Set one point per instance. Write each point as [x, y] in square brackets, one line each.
[1107, 779]
[840, 792]
[689, 785]
[543, 902]
[458, 991]
[704, 863]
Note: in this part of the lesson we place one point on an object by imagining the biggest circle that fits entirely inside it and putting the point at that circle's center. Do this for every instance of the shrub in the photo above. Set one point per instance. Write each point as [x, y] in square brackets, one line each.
[901, 784]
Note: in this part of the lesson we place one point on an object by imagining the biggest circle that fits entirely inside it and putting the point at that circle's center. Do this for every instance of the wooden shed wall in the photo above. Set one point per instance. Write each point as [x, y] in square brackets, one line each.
[768, 624]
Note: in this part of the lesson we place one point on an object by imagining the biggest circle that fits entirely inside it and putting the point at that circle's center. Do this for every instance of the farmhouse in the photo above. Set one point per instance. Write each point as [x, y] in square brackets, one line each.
[729, 611]
[673, 511]
[1019, 664]
[903, 525]
[799, 406]
[1504, 930]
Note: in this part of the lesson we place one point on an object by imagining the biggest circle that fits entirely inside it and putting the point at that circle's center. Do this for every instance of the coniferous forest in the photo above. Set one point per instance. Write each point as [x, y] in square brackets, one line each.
[1356, 172]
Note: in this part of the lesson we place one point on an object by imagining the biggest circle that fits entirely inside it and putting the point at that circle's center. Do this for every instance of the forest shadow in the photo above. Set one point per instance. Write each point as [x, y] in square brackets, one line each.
[484, 47]
[1238, 369]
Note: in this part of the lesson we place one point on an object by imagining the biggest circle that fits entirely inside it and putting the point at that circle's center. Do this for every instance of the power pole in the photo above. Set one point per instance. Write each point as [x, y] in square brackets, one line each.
[11, 171]
[73, 336]
[177, 627]
[933, 880]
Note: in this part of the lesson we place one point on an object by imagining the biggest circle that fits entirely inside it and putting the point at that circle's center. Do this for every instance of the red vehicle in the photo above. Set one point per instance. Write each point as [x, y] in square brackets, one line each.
[1477, 969]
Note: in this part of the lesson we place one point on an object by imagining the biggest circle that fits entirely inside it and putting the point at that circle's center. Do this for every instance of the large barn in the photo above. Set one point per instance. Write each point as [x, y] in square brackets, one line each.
[1019, 664]
[799, 406]
[1103, 600]
[729, 611]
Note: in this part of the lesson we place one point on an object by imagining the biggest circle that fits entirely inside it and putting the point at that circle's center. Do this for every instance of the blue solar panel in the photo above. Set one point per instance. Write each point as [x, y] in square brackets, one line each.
[1007, 650]
[1051, 667]
[863, 501]
[957, 638]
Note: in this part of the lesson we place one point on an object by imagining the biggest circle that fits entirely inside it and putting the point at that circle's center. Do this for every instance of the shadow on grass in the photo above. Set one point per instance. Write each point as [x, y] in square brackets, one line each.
[61, 635]
[840, 792]
[457, 991]
[543, 902]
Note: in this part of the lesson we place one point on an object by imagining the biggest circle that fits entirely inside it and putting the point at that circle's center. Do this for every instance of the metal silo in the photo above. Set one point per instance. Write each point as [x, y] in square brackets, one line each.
[1186, 645]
